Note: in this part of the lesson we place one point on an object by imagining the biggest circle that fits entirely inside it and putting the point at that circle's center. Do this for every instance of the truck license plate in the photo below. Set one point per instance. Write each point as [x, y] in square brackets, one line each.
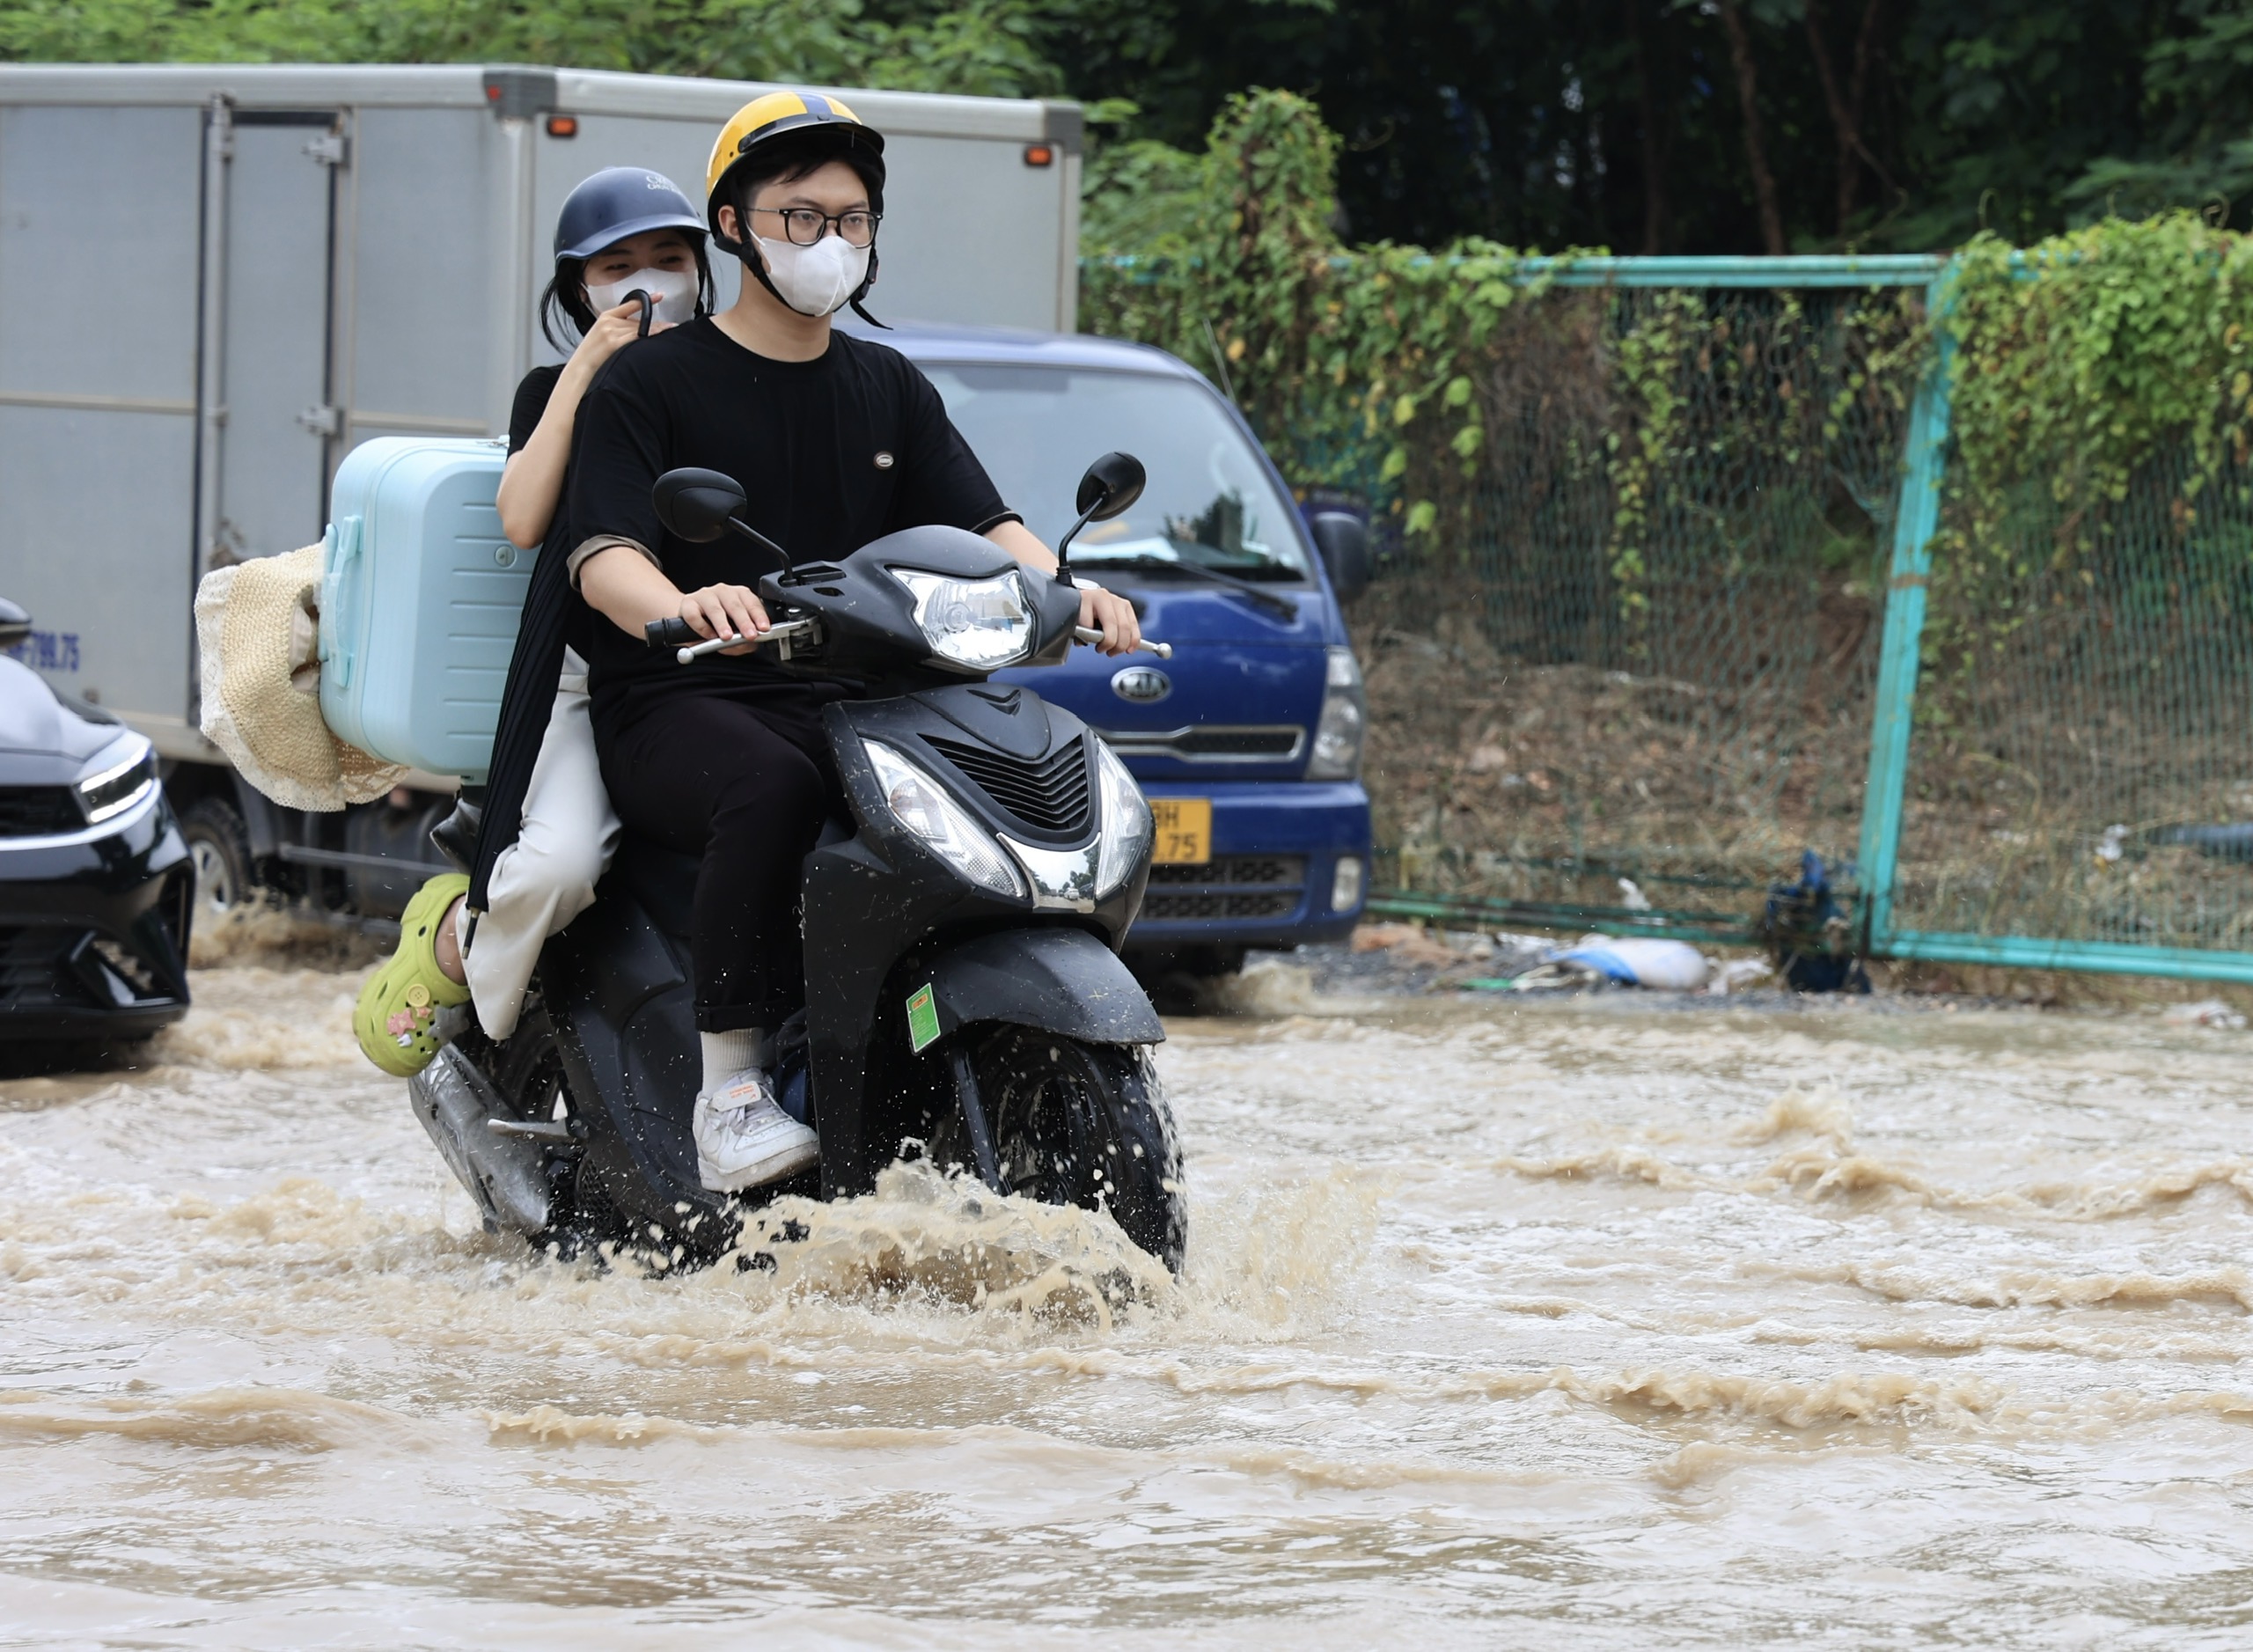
[1185, 829]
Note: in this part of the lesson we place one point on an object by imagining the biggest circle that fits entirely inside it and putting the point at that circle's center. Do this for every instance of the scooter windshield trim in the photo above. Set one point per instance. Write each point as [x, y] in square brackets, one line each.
[920, 805]
[1063, 880]
[979, 625]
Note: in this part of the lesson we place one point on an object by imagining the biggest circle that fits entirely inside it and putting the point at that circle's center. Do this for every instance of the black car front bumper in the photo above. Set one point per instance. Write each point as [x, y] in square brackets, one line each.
[94, 930]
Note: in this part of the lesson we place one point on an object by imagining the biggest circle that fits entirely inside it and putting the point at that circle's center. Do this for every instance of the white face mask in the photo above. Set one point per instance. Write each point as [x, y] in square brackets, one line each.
[673, 292]
[815, 279]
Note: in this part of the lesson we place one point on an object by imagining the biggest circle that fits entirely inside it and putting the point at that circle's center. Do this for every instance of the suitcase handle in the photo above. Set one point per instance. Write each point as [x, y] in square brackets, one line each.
[343, 550]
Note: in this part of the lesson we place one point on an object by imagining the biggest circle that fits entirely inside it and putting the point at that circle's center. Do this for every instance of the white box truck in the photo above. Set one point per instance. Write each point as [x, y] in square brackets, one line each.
[217, 279]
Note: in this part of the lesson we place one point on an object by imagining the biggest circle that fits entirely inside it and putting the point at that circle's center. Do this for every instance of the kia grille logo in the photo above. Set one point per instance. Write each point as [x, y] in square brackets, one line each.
[1144, 685]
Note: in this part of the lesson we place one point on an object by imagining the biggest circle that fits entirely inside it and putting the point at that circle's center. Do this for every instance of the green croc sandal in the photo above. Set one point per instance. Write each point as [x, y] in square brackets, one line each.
[400, 1001]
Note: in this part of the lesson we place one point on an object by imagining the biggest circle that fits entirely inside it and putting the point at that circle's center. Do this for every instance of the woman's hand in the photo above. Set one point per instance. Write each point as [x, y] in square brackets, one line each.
[725, 611]
[1113, 616]
[612, 331]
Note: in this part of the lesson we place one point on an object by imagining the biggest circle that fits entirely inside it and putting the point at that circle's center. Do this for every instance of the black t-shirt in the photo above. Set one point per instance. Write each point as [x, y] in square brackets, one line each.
[832, 454]
[532, 395]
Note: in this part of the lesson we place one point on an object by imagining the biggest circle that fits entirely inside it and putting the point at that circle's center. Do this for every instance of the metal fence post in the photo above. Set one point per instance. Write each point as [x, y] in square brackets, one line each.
[1925, 464]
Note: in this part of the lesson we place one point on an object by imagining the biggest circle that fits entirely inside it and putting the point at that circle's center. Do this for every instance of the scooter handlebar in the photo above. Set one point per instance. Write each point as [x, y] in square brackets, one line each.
[1089, 634]
[692, 647]
[680, 636]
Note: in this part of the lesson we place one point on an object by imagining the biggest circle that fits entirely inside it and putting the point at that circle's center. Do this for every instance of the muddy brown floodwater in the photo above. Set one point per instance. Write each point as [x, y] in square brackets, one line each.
[1591, 1324]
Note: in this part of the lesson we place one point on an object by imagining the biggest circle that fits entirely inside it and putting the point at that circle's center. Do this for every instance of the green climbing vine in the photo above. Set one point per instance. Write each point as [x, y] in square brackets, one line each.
[2101, 391]
[1439, 383]
[2080, 357]
[1404, 374]
[1358, 367]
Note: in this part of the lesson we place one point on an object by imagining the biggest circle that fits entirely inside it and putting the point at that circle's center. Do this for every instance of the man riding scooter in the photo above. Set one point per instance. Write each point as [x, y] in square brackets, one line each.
[837, 442]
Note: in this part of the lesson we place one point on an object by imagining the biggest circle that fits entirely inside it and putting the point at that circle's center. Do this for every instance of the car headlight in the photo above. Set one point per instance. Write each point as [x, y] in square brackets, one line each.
[921, 804]
[1126, 828]
[1344, 723]
[123, 774]
[983, 624]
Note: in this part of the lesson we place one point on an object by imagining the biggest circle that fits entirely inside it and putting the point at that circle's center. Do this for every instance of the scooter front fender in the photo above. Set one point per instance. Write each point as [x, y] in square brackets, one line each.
[1059, 981]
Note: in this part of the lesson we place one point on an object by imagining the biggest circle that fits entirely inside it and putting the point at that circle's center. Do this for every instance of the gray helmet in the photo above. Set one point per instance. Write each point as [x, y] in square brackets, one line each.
[619, 202]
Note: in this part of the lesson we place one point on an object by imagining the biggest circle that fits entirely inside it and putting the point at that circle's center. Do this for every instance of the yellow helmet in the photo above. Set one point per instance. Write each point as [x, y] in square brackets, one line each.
[768, 117]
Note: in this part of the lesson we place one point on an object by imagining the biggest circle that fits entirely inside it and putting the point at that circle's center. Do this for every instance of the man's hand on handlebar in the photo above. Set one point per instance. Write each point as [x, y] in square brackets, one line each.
[1113, 616]
[728, 611]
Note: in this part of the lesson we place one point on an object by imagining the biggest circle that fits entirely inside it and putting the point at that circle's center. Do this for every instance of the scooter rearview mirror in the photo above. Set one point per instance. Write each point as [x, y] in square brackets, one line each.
[695, 504]
[1111, 487]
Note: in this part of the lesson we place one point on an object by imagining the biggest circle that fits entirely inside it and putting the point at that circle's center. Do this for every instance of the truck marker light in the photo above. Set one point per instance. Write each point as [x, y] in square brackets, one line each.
[1039, 155]
[1345, 884]
[563, 126]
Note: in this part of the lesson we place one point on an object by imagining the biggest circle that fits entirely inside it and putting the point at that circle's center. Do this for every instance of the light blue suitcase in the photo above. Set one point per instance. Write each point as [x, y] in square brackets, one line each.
[420, 594]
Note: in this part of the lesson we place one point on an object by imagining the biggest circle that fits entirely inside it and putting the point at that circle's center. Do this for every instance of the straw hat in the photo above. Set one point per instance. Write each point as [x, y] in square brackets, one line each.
[257, 625]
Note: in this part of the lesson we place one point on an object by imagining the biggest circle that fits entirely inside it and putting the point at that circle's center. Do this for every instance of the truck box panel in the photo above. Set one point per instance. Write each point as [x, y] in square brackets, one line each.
[97, 542]
[98, 236]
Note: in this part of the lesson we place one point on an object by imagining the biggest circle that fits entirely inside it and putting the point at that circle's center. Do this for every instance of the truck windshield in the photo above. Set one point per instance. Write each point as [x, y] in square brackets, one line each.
[1209, 501]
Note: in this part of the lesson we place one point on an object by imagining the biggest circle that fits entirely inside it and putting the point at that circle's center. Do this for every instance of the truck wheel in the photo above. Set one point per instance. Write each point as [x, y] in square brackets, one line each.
[218, 847]
[1079, 1124]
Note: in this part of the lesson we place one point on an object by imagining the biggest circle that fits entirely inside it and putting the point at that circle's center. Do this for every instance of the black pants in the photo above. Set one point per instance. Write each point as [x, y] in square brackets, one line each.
[745, 789]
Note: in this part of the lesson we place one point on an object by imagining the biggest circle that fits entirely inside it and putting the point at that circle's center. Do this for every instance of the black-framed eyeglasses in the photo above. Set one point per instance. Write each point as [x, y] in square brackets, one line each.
[804, 226]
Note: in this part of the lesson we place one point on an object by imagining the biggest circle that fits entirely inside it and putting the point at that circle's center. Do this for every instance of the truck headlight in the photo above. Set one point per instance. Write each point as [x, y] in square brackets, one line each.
[1126, 828]
[921, 804]
[981, 624]
[123, 773]
[1344, 723]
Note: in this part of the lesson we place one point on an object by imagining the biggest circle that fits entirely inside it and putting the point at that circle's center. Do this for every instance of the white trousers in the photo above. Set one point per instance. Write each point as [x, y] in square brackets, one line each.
[547, 877]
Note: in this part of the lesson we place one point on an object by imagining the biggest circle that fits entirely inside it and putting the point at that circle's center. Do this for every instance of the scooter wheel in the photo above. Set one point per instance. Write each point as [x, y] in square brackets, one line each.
[1078, 1124]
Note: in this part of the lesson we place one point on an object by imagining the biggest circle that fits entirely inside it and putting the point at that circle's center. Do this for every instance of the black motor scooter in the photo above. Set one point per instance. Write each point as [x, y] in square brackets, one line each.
[964, 986]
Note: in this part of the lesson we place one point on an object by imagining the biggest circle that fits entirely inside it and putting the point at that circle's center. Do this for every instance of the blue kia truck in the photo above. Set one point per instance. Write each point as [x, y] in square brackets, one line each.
[1248, 740]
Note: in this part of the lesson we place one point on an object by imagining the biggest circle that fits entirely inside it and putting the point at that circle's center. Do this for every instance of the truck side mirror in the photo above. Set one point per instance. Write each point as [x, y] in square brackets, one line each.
[1343, 539]
[1111, 487]
[15, 624]
[695, 504]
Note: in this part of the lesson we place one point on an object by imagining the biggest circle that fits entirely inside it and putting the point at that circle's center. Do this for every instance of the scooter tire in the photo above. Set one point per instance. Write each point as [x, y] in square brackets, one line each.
[1078, 1124]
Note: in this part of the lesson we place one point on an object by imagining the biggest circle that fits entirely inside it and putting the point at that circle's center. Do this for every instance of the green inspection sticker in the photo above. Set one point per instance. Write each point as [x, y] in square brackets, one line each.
[922, 1019]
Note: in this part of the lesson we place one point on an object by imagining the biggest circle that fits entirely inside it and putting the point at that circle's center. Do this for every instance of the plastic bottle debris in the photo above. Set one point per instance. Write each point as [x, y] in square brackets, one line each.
[2208, 1012]
[1665, 966]
[1738, 974]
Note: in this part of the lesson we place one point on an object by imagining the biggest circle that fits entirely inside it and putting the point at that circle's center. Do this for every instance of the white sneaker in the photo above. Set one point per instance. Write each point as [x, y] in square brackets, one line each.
[744, 1138]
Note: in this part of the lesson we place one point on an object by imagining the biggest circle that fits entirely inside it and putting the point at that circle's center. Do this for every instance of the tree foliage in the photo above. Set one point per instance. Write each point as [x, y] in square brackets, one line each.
[989, 47]
[1640, 125]
[1904, 124]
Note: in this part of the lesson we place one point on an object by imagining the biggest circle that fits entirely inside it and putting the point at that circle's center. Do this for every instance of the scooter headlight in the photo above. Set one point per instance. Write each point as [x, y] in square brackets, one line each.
[921, 804]
[1127, 828]
[982, 624]
[119, 776]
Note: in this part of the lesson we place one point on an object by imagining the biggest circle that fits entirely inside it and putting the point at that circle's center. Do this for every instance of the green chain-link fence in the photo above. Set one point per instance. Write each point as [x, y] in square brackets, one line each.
[1631, 677]
[1670, 635]
[2082, 749]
